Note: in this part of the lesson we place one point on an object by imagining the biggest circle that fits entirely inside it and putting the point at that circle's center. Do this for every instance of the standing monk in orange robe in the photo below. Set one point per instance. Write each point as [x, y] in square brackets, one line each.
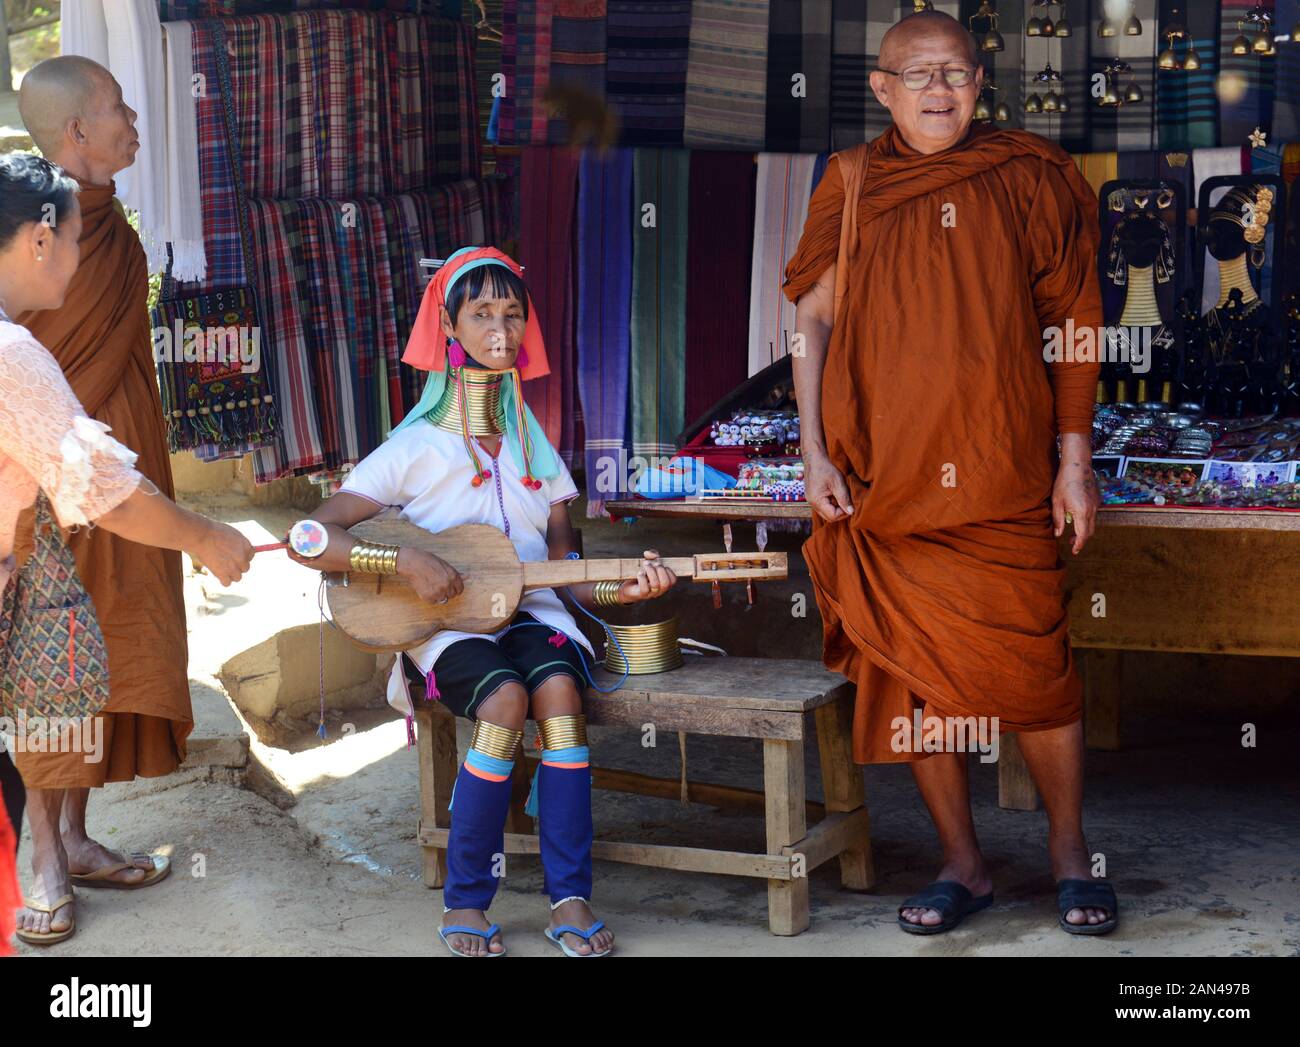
[74, 110]
[930, 420]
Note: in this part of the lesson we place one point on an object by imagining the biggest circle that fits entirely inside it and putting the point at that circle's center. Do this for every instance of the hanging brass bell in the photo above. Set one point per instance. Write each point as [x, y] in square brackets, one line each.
[1034, 27]
[1193, 61]
[1051, 102]
[1063, 27]
[1106, 29]
[982, 110]
[1133, 27]
[993, 41]
[1134, 93]
[1111, 97]
[1168, 59]
[1048, 28]
[1295, 34]
[1063, 103]
[1033, 104]
[1263, 44]
[1241, 46]
[1003, 113]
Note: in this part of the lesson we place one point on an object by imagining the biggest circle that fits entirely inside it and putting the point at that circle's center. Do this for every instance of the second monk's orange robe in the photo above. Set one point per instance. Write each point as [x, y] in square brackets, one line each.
[101, 338]
[945, 587]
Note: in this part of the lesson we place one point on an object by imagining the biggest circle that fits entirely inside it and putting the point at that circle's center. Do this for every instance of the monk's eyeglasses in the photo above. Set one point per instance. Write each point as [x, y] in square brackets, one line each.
[919, 77]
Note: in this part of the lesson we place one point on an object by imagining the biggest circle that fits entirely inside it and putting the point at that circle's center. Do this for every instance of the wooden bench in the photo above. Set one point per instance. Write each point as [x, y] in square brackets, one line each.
[763, 698]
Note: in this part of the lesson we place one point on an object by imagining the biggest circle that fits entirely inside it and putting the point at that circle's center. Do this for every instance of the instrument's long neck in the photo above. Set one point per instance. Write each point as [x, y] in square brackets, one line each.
[543, 574]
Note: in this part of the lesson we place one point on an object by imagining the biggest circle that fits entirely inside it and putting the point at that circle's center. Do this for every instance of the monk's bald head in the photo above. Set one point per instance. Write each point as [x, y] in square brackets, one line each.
[904, 36]
[74, 111]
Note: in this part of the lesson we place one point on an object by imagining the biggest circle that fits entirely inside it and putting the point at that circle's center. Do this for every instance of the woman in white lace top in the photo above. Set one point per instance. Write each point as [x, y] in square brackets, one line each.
[48, 442]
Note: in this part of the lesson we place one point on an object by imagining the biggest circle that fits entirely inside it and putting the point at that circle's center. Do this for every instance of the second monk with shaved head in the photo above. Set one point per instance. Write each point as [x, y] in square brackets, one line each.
[943, 452]
[77, 117]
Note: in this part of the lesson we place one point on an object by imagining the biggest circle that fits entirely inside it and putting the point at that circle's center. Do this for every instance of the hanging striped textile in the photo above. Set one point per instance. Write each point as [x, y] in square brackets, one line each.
[1210, 163]
[605, 222]
[311, 122]
[645, 75]
[219, 197]
[548, 197]
[784, 188]
[577, 55]
[182, 10]
[726, 74]
[1286, 98]
[526, 27]
[339, 288]
[798, 77]
[658, 326]
[858, 26]
[720, 244]
[1188, 106]
[1246, 84]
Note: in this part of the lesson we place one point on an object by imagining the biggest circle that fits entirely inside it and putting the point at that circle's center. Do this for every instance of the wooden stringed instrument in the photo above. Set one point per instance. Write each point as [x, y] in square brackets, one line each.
[383, 613]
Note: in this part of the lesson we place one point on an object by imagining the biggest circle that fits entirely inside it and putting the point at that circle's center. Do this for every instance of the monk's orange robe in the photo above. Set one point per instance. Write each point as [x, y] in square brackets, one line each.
[101, 338]
[945, 588]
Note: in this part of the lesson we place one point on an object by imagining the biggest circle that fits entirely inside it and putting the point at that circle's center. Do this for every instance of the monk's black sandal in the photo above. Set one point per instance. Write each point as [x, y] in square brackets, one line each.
[950, 899]
[1087, 894]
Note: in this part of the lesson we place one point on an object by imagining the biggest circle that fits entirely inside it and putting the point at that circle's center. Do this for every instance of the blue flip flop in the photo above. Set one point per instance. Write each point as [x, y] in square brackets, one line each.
[951, 900]
[554, 937]
[487, 936]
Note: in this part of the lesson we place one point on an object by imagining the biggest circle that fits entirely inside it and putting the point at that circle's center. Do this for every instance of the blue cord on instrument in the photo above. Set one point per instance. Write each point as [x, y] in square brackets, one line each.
[582, 653]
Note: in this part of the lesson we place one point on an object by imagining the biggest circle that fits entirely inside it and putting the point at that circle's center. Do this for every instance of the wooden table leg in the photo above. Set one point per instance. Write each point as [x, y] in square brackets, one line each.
[787, 824]
[842, 784]
[1102, 682]
[436, 744]
[1016, 790]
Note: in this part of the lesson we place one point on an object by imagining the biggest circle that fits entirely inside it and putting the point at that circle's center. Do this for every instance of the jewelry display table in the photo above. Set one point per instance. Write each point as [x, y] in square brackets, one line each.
[771, 699]
[1151, 579]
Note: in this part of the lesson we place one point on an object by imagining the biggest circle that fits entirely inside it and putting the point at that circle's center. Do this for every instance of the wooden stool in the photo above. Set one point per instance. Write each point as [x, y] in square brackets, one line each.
[734, 697]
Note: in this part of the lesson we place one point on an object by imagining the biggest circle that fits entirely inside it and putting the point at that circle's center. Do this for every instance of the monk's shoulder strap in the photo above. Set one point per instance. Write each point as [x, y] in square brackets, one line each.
[854, 164]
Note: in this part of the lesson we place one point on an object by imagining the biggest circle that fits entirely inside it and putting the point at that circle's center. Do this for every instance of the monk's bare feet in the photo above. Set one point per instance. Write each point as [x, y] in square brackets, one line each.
[471, 944]
[973, 875]
[577, 913]
[85, 856]
[50, 883]
[1069, 855]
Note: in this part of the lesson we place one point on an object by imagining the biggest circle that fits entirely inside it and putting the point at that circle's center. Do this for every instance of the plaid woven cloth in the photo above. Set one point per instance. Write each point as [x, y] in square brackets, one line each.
[726, 74]
[857, 28]
[340, 287]
[349, 103]
[1188, 106]
[1081, 59]
[220, 198]
[182, 10]
[526, 27]
[1286, 98]
[645, 73]
[1246, 84]
[578, 35]
[798, 117]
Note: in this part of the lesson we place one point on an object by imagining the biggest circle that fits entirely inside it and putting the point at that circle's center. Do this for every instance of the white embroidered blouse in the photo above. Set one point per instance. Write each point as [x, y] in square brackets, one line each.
[48, 441]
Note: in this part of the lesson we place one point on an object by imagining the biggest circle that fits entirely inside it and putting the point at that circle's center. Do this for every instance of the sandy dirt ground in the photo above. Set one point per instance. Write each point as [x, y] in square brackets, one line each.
[1201, 848]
